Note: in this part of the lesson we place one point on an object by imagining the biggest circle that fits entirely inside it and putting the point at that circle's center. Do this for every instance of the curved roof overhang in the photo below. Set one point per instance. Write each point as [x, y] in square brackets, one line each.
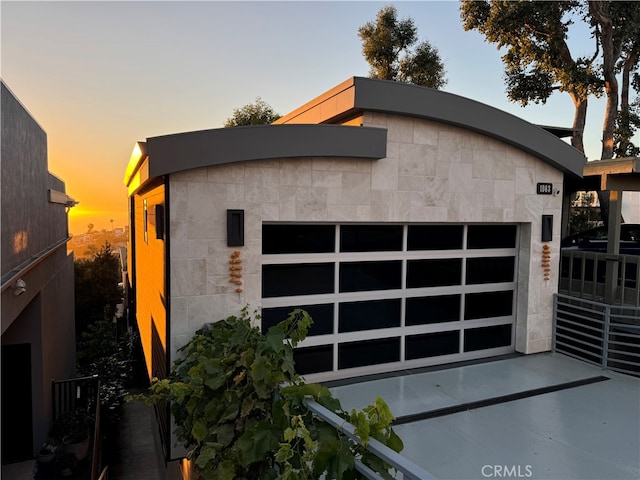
[183, 151]
[358, 95]
[204, 148]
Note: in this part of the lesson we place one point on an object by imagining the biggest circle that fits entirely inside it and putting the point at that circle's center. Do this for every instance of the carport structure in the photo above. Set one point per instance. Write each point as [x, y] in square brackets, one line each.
[609, 177]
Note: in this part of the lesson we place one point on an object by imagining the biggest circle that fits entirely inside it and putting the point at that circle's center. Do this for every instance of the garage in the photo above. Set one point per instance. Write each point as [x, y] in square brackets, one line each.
[416, 227]
[386, 297]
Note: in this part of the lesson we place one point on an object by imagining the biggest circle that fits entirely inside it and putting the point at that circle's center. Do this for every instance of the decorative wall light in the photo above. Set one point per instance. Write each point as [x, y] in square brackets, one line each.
[19, 288]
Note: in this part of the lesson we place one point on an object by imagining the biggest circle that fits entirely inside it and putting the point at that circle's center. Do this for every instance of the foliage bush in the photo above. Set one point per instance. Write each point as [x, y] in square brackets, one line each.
[240, 410]
[70, 427]
[102, 352]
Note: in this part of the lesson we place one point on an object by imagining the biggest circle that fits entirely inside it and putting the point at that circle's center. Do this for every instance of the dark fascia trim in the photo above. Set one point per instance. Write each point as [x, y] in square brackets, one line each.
[412, 100]
[358, 94]
[560, 132]
[184, 151]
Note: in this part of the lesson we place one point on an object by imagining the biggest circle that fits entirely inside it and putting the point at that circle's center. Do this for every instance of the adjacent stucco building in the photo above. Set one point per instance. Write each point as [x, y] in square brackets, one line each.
[38, 325]
[416, 226]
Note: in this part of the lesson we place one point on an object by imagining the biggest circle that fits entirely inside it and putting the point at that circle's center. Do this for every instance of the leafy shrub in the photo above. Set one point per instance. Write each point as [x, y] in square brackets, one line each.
[70, 427]
[101, 352]
[240, 407]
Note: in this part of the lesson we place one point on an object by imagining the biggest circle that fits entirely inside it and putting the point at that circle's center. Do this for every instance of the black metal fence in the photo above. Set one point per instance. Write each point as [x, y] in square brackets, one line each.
[82, 393]
[79, 393]
[599, 333]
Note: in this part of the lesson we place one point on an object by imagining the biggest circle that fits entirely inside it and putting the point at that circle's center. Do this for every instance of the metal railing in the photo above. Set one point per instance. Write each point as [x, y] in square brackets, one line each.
[409, 470]
[584, 275]
[82, 393]
[96, 454]
[599, 333]
[73, 394]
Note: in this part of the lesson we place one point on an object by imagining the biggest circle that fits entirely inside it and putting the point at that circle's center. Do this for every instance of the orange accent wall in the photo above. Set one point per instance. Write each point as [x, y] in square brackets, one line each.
[150, 277]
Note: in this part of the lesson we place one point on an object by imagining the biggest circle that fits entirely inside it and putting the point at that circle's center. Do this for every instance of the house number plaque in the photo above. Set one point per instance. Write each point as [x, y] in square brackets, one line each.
[544, 188]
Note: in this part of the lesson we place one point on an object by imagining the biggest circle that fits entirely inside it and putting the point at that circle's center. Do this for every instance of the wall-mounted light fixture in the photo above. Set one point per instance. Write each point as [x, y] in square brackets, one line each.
[235, 228]
[547, 228]
[70, 204]
[20, 287]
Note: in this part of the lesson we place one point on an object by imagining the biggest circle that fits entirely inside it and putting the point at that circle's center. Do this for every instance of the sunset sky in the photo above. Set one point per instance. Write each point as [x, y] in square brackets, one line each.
[99, 76]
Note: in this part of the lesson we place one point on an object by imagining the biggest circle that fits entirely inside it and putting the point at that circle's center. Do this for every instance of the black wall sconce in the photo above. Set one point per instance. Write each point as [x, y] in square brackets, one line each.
[547, 228]
[235, 228]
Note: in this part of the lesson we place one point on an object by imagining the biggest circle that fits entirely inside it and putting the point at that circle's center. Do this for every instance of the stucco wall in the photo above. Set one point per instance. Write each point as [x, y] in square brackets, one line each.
[30, 223]
[432, 173]
[33, 237]
[44, 319]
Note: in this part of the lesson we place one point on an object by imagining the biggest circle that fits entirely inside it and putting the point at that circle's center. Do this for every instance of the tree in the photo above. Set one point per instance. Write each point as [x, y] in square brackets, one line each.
[616, 25]
[386, 45]
[538, 60]
[627, 122]
[258, 113]
[96, 288]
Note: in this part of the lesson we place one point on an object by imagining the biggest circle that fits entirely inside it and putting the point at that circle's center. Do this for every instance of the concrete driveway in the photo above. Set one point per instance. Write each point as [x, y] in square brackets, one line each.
[544, 416]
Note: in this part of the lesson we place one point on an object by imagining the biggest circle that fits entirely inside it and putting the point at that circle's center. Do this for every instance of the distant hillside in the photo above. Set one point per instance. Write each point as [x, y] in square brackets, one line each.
[88, 244]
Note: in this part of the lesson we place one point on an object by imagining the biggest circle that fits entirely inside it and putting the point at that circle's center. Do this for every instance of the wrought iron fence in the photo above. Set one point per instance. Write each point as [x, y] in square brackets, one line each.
[599, 333]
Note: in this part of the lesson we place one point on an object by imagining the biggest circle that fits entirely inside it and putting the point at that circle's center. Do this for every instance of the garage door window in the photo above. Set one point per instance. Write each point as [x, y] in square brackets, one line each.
[392, 296]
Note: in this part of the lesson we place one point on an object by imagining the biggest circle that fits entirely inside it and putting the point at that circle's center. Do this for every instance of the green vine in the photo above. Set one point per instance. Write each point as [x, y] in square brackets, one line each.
[240, 409]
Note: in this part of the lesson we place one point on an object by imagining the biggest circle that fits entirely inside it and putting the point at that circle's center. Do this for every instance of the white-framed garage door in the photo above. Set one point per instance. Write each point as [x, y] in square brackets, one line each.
[386, 297]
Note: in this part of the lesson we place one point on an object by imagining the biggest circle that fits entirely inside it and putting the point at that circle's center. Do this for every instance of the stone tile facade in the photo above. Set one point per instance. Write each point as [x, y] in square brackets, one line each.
[432, 173]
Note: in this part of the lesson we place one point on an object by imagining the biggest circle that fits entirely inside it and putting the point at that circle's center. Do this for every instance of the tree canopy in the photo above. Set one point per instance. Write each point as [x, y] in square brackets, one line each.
[387, 46]
[96, 288]
[538, 60]
[257, 113]
[616, 25]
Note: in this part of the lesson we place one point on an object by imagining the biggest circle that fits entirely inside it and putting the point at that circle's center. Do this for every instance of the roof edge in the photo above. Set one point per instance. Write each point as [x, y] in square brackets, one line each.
[172, 153]
[361, 94]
